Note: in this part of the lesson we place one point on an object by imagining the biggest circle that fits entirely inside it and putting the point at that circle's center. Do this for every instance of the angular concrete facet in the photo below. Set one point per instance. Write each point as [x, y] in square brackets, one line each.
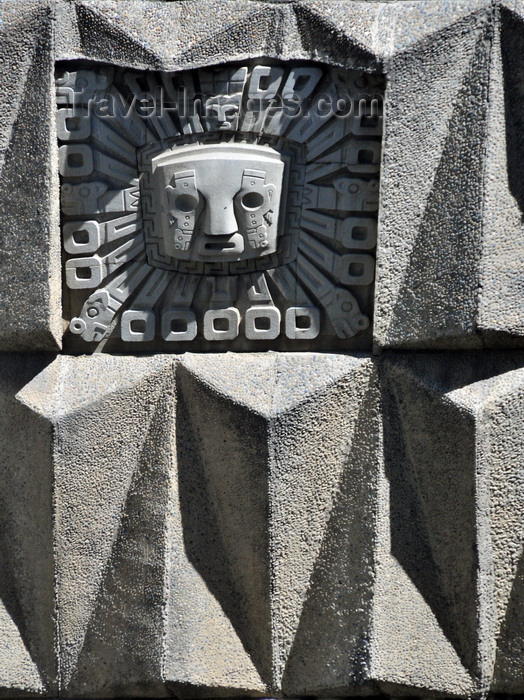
[263, 542]
[30, 289]
[297, 524]
[264, 524]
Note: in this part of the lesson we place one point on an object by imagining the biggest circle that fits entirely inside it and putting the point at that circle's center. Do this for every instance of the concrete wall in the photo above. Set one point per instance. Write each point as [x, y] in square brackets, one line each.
[339, 522]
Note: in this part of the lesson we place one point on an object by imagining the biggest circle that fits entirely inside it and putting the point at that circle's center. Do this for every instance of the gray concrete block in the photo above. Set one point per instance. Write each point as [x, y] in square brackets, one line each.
[502, 283]
[30, 289]
[452, 456]
[27, 659]
[328, 651]
[382, 29]
[503, 449]
[209, 33]
[431, 473]
[268, 457]
[449, 260]
[433, 181]
[106, 417]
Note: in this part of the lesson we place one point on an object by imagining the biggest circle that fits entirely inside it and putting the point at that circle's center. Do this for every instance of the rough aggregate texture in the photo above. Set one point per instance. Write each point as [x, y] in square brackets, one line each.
[29, 234]
[276, 524]
[292, 524]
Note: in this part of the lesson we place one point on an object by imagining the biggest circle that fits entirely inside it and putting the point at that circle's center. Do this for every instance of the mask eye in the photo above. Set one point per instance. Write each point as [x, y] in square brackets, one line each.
[252, 200]
[186, 203]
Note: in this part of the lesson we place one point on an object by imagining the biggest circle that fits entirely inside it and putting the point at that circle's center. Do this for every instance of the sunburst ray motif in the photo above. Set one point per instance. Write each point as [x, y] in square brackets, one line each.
[231, 207]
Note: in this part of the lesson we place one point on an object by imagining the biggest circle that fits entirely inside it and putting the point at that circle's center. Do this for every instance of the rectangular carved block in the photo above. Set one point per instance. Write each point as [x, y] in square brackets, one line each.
[222, 208]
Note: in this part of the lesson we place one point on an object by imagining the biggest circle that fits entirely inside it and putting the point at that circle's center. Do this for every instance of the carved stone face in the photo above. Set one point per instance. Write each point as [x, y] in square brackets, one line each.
[219, 202]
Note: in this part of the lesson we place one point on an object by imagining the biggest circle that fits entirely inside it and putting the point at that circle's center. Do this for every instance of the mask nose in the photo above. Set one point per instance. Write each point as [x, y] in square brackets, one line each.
[219, 218]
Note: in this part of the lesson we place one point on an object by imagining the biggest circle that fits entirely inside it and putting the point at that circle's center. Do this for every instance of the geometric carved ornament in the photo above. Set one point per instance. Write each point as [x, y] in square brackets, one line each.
[232, 207]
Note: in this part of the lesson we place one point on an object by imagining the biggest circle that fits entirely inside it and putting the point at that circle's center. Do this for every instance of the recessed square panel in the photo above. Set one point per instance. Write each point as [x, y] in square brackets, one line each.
[232, 207]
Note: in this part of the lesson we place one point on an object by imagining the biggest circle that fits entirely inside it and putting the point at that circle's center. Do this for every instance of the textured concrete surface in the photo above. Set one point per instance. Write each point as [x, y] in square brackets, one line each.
[30, 266]
[276, 524]
[214, 525]
[265, 555]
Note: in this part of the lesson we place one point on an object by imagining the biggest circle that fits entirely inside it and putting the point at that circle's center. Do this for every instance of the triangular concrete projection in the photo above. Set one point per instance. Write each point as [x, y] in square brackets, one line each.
[244, 455]
[202, 647]
[217, 32]
[409, 647]
[329, 651]
[126, 628]
[386, 29]
[311, 446]
[102, 407]
[417, 192]
[500, 298]
[26, 516]
[429, 452]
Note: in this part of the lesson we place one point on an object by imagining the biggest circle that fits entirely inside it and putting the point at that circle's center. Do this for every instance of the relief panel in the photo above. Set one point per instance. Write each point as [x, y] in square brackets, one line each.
[232, 207]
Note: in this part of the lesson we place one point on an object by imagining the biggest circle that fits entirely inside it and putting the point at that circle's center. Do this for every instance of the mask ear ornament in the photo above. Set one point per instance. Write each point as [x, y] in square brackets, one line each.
[184, 204]
[255, 208]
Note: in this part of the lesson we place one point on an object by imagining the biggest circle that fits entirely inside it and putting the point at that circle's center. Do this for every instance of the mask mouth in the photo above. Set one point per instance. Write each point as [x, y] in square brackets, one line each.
[223, 246]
